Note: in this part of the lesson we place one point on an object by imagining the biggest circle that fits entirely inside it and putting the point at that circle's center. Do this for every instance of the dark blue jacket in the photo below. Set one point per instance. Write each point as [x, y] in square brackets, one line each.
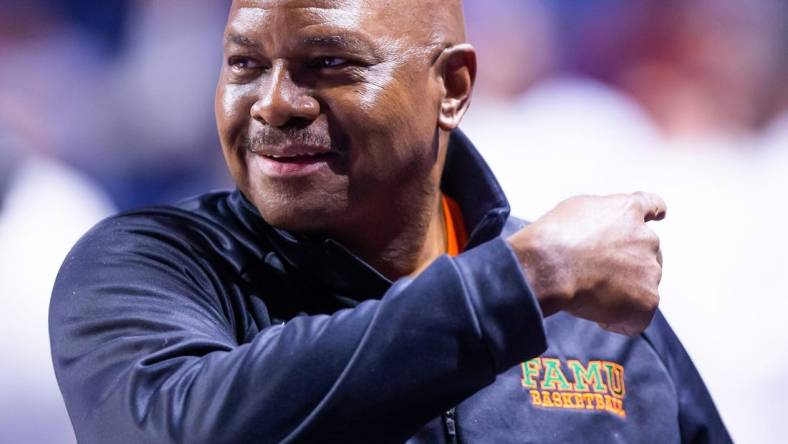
[201, 323]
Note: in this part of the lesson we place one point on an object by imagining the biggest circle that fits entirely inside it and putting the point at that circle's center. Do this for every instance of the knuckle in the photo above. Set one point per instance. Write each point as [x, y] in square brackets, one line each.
[650, 300]
[570, 202]
[579, 199]
[656, 301]
[639, 194]
[653, 237]
[574, 199]
[647, 306]
[653, 303]
[660, 201]
[649, 236]
[635, 201]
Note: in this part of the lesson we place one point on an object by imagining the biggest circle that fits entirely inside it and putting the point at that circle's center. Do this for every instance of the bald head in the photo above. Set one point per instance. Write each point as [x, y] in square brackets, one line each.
[429, 22]
[442, 20]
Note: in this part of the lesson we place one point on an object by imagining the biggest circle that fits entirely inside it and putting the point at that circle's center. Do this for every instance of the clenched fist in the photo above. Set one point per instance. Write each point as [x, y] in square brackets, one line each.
[596, 258]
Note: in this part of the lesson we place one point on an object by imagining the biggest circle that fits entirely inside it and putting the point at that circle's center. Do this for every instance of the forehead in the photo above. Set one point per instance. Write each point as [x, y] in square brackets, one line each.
[381, 22]
[329, 4]
[251, 15]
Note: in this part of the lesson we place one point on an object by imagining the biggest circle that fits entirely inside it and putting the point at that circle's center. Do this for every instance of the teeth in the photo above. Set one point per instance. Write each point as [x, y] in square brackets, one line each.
[276, 156]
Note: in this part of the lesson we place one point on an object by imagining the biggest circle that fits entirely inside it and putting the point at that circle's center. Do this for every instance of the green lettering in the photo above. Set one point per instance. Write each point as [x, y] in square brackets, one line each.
[587, 376]
[554, 378]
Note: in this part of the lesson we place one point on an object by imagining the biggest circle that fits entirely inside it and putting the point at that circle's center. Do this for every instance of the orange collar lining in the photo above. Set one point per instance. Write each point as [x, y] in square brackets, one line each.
[455, 227]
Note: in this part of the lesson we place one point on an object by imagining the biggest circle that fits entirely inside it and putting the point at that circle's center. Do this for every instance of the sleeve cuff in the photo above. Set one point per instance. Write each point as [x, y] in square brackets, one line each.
[509, 315]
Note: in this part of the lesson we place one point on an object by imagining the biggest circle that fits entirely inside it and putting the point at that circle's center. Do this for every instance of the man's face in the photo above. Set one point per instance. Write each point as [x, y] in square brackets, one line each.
[327, 109]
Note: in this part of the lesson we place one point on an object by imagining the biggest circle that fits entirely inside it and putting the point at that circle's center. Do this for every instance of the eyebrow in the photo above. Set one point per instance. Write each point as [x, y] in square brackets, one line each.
[239, 39]
[347, 43]
[339, 42]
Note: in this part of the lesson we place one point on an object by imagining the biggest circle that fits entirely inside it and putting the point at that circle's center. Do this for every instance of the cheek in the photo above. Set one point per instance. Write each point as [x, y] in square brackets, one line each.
[376, 90]
[392, 120]
[232, 107]
[391, 94]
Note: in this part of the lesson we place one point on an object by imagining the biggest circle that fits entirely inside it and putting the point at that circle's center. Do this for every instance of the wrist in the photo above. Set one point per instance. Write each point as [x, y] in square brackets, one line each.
[542, 268]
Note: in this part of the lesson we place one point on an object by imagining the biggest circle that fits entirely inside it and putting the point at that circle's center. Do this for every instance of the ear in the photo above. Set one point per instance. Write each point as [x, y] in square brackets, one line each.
[457, 67]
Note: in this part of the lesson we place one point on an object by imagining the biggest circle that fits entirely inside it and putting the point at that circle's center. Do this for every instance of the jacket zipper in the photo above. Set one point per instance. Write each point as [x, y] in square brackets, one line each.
[450, 422]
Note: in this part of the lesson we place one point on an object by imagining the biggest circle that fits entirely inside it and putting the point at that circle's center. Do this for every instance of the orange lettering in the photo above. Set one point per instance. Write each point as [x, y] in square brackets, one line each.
[546, 402]
[535, 398]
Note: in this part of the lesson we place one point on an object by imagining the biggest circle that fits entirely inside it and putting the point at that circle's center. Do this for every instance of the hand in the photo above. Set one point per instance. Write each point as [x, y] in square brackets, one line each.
[596, 258]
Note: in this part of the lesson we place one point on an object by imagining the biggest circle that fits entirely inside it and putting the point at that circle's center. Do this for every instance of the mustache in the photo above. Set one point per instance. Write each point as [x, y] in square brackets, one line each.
[275, 137]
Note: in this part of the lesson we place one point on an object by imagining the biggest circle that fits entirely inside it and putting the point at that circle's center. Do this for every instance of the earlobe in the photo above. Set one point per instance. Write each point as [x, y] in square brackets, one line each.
[451, 114]
[458, 68]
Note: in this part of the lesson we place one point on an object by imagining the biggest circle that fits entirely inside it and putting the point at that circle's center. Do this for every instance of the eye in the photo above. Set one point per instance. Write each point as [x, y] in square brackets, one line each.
[241, 64]
[330, 62]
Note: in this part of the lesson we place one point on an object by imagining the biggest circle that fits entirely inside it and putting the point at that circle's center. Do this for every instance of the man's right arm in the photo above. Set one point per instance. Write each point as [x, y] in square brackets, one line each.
[145, 349]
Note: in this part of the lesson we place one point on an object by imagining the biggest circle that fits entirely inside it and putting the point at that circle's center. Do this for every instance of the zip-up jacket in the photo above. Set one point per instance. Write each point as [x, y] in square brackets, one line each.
[201, 323]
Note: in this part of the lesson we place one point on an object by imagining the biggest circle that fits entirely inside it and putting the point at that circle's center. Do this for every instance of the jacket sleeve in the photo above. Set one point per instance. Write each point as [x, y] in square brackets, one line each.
[144, 350]
[699, 421]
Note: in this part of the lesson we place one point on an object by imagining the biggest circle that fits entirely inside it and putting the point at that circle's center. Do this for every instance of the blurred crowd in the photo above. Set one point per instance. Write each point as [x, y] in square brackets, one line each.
[108, 105]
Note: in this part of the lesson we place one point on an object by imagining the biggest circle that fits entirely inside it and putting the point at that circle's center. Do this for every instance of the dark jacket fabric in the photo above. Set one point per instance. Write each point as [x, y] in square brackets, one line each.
[201, 323]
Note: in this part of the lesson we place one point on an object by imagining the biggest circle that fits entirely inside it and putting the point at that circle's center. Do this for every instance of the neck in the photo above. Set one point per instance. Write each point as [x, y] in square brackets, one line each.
[401, 247]
[405, 245]
[435, 241]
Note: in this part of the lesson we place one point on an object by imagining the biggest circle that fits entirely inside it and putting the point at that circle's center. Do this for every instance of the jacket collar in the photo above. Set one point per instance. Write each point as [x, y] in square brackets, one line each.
[466, 178]
[469, 181]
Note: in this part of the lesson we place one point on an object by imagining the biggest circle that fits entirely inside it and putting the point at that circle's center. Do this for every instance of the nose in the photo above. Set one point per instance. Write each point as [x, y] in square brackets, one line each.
[282, 100]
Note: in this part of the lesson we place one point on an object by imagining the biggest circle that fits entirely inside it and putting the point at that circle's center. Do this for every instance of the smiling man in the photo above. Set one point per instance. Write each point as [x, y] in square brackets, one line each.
[365, 282]
[330, 115]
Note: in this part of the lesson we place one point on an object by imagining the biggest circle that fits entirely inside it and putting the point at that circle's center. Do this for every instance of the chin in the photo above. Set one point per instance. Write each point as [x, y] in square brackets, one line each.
[301, 214]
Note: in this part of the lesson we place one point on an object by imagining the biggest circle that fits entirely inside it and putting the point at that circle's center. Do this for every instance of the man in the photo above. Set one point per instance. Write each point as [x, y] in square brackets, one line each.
[317, 303]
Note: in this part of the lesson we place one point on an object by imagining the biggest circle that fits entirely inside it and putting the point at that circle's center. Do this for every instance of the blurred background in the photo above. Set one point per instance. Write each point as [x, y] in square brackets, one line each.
[107, 106]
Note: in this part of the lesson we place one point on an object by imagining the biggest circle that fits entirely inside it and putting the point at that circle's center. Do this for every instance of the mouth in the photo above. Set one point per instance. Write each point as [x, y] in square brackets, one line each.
[294, 160]
[298, 158]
